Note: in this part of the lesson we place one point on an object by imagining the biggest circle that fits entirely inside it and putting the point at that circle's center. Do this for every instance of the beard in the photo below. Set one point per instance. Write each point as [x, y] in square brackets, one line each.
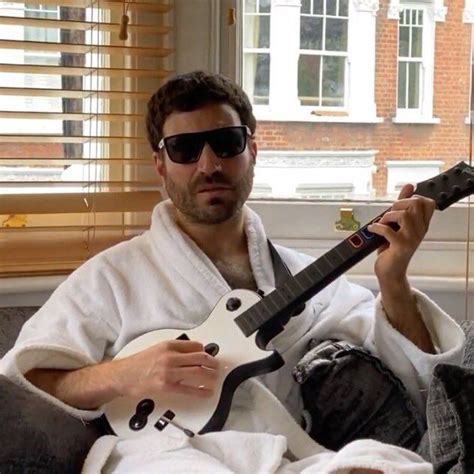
[217, 209]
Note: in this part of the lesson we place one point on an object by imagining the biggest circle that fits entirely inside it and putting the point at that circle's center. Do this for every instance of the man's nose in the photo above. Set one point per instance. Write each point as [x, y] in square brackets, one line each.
[208, 161]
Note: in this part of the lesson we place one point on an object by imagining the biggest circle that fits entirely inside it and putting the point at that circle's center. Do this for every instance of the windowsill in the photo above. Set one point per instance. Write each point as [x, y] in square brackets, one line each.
[417, 120]
[467, 120]
[268, 116]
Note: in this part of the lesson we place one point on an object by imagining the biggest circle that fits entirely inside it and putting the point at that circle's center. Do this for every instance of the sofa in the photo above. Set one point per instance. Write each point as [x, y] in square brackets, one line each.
[38, 437]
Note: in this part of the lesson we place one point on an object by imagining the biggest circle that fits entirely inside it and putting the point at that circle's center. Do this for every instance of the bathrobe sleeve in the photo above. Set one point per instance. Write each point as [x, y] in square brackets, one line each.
[71, 330]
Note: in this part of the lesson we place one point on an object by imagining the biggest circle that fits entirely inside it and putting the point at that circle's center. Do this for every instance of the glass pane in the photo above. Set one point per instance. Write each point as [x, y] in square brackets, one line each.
[257, 77]
[333, 81]
[308, 79]
[331, 7]
[265, 6]
[343, 7]
[416, 42]
[420, 17]
[402, 85]
[414, 85]
[311, 33]
[404, 41]
[318, 7]
[257, 31]
[336, 34]
[250, 6]
[306, 6]
[413, 17]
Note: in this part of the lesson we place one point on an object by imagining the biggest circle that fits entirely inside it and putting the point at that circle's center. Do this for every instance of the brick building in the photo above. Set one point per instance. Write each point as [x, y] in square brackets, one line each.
[354, 97]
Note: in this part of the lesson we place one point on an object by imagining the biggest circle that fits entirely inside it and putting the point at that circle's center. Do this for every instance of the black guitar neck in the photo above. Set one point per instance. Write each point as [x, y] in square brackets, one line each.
[445, 189]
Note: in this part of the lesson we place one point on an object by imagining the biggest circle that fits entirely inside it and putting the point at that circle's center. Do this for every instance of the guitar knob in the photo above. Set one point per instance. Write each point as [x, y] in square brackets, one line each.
[445, 177]
[212, 349]
[457, 170]
[145, 407]
[137, 422]
[443, 196]
[456, 189]
[233, 304]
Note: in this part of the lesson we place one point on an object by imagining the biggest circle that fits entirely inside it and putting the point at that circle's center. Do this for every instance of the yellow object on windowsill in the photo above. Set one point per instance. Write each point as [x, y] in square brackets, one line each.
[15, 220]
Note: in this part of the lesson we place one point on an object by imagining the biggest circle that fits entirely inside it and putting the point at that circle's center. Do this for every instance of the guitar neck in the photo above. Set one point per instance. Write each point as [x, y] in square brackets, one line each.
[445, 189]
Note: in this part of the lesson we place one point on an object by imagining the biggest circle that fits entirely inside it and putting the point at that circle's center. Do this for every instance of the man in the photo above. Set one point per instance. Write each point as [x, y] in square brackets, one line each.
[202, 243]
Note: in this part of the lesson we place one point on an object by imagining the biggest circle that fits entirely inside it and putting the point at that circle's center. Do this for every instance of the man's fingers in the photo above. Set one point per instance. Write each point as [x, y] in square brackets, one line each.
[406, 191]
[196, 376]
[180, 345]
[195, 392]
[197, 359]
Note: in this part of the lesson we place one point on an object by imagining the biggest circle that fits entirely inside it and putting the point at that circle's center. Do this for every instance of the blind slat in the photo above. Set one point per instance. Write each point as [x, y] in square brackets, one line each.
[68, 139]
[83, 48]
[72, 94]
[83, 71]
[5, 114]
[79, 202]
[108, 4]
[90, 182]
[82, 25]
[22, 161]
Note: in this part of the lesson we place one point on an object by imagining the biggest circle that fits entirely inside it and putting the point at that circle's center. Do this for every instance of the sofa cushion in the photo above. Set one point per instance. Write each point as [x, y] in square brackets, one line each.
[37, 436]
[11, 321]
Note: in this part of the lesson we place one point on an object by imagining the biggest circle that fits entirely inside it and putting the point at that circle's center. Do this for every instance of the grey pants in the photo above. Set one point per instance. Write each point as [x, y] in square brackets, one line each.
[346, 387]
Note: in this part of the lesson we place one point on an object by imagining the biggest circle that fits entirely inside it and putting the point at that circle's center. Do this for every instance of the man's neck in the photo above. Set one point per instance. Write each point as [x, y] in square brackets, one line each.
[217, 241]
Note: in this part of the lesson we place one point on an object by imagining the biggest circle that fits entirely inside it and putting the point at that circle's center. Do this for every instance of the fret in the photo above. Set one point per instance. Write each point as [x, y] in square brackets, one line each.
[269, 299]
[294, 286]
[328, 267]
[346, 250]
[297, 280]
[338, 253]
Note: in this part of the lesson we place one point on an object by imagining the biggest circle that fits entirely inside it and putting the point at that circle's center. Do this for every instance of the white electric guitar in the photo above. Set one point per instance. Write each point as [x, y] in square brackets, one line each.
[242, 323]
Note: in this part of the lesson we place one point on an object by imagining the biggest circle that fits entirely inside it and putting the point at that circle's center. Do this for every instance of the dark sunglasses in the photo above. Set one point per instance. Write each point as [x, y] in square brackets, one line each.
[225, 142]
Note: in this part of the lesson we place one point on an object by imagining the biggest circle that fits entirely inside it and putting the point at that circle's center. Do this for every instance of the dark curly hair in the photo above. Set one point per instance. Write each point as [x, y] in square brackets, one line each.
[190, 91]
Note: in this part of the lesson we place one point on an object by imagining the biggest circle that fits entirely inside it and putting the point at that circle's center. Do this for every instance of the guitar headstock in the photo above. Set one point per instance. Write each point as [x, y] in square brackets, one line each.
[448, 187]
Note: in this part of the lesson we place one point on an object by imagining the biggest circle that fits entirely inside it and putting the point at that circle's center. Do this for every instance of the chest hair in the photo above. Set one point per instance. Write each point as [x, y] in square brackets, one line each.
[237, 273]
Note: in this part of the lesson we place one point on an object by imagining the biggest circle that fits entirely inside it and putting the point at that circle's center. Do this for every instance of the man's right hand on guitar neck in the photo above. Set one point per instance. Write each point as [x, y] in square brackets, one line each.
[177, 366]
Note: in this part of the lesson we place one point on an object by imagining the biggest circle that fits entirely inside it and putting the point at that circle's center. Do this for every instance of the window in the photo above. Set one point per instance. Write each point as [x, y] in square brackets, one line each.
[257, 50]
[308, 58]
[415, 63]
[76, 173]
[323, 53]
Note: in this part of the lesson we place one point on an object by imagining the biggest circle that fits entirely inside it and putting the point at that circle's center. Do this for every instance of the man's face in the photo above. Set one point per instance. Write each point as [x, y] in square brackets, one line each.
[212, 190]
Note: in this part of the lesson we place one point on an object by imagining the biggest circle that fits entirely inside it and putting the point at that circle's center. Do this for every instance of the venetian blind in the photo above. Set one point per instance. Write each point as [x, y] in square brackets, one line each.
[76, 173]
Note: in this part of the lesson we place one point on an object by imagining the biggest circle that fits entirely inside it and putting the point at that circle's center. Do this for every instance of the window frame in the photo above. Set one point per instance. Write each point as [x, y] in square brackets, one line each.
[323, 53]
[424, 113]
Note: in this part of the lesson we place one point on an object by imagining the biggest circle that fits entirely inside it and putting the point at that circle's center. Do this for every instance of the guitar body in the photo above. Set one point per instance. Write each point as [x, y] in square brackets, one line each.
[239, 357]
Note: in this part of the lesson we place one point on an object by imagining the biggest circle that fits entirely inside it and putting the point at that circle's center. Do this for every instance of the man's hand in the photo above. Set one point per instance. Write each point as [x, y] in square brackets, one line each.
[180, 367]
[168, 367]
[412, 214]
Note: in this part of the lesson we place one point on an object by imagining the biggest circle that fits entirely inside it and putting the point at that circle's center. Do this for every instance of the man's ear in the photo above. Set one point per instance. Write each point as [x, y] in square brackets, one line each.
[159, 163]
[253, 150]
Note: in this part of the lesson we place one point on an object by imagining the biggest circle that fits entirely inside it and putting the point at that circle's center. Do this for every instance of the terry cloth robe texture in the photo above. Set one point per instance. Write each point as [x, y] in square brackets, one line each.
[161, 279]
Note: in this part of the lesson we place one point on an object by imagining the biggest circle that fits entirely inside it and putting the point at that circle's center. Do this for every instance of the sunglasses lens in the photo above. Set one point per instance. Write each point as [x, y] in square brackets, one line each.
[183, 148]
[228, 142]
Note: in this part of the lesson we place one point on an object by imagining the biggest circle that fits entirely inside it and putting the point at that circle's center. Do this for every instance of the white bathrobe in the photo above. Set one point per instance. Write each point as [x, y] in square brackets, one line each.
[161, 279]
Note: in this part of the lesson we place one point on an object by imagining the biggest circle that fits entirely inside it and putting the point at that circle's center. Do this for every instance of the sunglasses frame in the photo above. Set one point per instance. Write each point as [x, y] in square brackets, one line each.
[162, 143]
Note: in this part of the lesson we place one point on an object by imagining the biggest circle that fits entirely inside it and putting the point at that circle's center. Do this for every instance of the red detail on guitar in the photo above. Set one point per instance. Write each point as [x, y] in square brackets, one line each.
[356, 241]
